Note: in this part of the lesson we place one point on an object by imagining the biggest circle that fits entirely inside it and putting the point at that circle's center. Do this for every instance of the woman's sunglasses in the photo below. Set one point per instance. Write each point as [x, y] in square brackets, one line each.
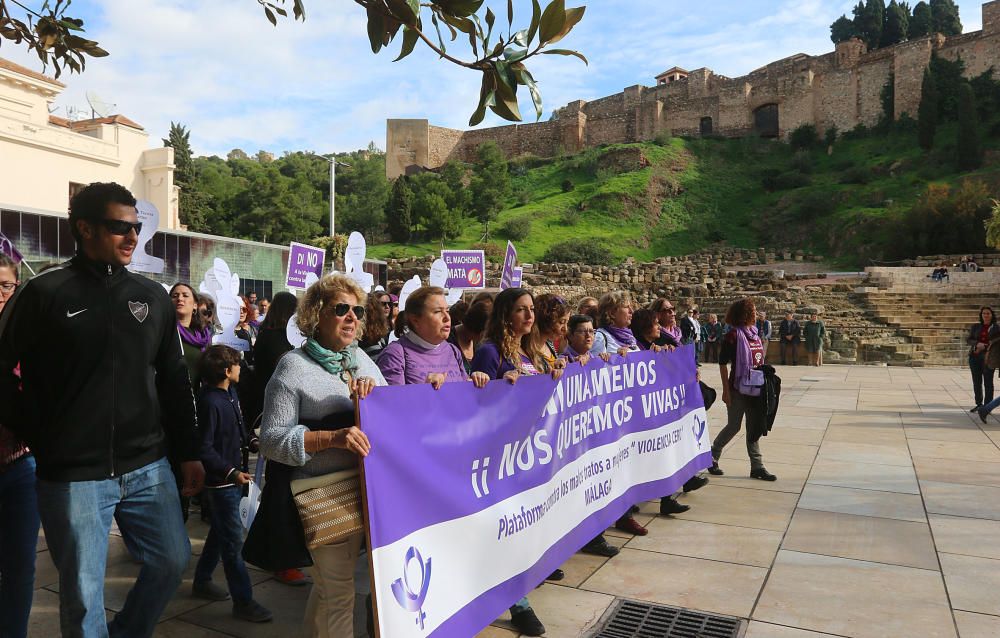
[342, 309]
[206, 313]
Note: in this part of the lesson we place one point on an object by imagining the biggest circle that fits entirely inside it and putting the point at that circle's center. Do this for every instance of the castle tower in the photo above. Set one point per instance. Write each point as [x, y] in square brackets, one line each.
[991, 18]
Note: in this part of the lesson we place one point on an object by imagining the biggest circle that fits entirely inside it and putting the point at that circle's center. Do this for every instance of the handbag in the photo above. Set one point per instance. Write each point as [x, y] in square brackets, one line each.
[329, 506]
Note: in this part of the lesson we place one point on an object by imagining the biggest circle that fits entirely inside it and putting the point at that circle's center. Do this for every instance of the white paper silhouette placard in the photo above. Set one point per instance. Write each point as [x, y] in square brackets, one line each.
[149, 217]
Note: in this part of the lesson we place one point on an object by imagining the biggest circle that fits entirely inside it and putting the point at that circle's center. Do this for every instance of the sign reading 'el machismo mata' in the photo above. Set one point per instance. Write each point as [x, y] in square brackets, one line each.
[303, 260]
[478, 496]
[466, 268]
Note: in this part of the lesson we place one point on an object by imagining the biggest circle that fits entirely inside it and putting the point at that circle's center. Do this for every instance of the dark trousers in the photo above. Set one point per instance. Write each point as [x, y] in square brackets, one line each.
[741, 406]
[18, 538]
[225, 542]
[982, 378]
[789, 346]
[711, 352]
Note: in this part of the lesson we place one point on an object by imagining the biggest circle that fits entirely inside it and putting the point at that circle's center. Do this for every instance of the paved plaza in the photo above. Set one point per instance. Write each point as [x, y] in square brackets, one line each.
[884, 522]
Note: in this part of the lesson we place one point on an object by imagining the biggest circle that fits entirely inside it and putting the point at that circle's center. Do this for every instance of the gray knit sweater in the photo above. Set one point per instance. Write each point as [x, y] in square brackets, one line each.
[301, 390]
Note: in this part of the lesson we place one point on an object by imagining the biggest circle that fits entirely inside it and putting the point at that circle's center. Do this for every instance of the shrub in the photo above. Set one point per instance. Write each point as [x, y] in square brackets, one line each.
[856, 175]
[802, 161]
[522, 195]
[567, 185]
[814, 204]
[769, 179]
[663, 138]
[516, 229]
[570, 217]
[579, 250]
[493, 252]
[831, 135]
[842, 164]
[804, 137]
[791, 180]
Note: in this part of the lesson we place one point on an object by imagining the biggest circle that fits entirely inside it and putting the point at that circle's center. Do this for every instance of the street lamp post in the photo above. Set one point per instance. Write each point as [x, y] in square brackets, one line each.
[333, 197]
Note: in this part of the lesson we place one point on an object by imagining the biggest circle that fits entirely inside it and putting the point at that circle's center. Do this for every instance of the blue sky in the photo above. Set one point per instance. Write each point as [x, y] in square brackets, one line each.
[237, 82]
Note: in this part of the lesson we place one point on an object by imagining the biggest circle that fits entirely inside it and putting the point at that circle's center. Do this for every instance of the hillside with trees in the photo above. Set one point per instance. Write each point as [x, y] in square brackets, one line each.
[896, 190]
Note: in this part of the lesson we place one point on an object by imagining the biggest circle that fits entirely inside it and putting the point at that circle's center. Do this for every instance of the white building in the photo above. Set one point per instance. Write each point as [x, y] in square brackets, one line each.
[45, 159]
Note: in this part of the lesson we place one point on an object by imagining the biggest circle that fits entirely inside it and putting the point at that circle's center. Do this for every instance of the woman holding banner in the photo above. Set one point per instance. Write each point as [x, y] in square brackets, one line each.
[553, 324]
[422, 353]
[316, 384]
[511, 350]
[613, 336]
[469, 334]
[742, 386]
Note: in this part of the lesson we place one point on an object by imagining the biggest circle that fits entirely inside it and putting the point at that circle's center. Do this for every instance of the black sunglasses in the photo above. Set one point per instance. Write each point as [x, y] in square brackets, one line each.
[120, 226]
[342, 309]
[206, 313]
[387, 304]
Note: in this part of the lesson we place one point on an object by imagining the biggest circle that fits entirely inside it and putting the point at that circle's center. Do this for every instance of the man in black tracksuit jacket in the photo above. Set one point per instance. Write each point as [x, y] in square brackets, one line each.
[102, 383]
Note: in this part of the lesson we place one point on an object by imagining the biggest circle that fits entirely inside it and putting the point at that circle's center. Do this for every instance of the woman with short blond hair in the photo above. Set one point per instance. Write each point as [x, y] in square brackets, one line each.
[308, 426]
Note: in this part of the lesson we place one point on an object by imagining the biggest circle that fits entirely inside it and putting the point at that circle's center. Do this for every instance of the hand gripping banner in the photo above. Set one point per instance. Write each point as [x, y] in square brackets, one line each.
[497, 487]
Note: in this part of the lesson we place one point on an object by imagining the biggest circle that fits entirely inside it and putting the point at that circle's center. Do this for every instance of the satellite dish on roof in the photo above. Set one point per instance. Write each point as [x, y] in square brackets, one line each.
[98, 107]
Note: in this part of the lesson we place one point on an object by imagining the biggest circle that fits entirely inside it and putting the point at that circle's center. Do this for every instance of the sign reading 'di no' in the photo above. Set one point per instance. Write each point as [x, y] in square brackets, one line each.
[304, 260]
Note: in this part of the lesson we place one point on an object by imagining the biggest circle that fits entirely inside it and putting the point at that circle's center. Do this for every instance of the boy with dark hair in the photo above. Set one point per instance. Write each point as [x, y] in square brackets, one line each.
[223, 453]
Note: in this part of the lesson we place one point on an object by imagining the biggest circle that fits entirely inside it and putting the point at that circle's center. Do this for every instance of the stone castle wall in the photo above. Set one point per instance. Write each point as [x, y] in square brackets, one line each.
[842, 88]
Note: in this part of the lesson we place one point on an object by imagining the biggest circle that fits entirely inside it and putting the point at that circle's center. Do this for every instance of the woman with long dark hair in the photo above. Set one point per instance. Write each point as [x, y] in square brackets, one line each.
[379, 324]
[979, 337]
[512, 350]
[742, 386]
[193, 325]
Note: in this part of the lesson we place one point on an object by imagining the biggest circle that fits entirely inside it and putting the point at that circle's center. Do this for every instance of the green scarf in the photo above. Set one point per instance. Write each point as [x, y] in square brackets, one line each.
[341, 363]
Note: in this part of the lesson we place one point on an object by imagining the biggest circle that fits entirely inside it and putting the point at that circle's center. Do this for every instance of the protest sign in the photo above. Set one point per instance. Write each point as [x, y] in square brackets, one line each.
[517, 278]
[480, 494]
[149, 217]
[8, 248]
[303, 261]
[509, 263]
[466, 268]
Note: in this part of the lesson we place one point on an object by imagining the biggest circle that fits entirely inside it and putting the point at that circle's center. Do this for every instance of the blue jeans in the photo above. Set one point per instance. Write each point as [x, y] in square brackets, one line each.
[225, 541]
[77, 519]
[18, 539]
[992, 405]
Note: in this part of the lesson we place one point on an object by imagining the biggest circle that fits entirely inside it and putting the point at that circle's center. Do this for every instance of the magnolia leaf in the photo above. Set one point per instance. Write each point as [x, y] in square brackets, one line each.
[536, 97]
[510, 13]
[437, 27]
[270, 17]
[514, 54]
[566, 52]
[553, 19]
[299, 10]
[536, 17]
[573, 16]
[459, 8]
[485, 98]
[520, 38]
[404, 10]
[490, 17]
[410, 38]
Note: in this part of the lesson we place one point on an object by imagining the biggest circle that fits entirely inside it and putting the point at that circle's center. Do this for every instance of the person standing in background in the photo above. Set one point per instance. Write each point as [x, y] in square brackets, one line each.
[790, 333]
[814, 332]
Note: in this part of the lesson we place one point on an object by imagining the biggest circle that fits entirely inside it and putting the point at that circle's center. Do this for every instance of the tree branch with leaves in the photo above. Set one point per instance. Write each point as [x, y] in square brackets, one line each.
[499, 55]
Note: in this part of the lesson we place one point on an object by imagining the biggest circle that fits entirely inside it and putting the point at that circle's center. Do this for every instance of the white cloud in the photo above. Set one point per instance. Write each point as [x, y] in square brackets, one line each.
[221, 69]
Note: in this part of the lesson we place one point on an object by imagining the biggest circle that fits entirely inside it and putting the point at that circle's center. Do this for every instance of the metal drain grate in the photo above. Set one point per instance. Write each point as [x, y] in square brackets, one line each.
[634, 619]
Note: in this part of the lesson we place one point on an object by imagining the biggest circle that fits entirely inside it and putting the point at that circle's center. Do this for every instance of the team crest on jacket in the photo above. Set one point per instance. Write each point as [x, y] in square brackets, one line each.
[139, 310]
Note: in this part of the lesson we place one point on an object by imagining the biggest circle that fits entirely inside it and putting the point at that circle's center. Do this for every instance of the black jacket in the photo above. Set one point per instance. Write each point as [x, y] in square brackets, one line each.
[790, 328]
[973, 336]
[103, 380]
[223, 436]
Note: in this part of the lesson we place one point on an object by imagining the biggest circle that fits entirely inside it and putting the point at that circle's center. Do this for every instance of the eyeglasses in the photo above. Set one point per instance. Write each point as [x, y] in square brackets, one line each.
[388, 304]
[342, 309]
[8, 287]
[120, 226]
[670, 310]
[207, 313]
[585, 333]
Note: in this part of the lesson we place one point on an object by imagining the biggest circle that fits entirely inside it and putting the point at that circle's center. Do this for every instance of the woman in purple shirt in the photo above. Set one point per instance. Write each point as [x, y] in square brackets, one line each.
[423, 353]
[511, 350]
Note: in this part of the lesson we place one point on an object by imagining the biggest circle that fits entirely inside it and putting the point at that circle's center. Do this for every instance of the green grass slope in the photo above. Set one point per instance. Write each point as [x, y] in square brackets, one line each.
[677, 196]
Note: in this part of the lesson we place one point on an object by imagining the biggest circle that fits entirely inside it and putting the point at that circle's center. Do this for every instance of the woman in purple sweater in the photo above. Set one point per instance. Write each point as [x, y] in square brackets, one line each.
[423, 353]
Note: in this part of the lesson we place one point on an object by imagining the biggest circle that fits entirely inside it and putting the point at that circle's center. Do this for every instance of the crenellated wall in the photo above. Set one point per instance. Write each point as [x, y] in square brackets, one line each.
[842, 88]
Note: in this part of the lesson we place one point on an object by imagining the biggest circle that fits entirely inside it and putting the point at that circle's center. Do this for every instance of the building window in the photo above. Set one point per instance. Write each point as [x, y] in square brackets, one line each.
[705, 126]
[260, 286]
[765, 121]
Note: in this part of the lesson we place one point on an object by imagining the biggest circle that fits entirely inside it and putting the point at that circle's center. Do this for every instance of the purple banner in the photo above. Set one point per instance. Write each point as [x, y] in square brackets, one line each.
[516, 280]
[484, 492]
[466, 268]
[304, 261]
[509, 263]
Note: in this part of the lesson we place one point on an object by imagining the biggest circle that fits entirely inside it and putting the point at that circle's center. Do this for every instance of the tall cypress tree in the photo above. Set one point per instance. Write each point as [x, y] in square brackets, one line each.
[945, 17]
[928, 112]
[179, 139]
[969, 147]
[896, 25]
[398, 212]
[922, 21]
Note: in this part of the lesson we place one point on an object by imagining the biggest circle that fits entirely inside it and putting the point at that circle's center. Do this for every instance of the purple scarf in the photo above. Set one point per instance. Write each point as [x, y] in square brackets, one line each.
[741, 372]
[674, 332]
[623, 336]
[199, 339]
